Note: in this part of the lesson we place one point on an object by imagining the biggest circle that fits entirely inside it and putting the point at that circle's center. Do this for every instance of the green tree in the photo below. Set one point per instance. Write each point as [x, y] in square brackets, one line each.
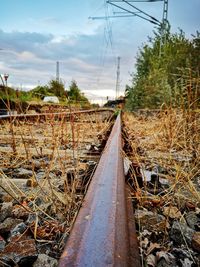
[75, 94]
[40, 91]
[163, 77]
[57, 88]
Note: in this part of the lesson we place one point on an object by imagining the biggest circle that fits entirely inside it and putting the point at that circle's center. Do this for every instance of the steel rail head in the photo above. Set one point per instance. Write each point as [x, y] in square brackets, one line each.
[101, 233]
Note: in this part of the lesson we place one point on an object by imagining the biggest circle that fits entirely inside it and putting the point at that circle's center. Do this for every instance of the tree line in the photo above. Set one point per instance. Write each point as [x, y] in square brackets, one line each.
[54, 88]
[57, 88]
[167, 72]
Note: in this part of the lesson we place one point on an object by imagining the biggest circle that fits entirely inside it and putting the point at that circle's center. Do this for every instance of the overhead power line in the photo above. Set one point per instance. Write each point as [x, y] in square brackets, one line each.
[140, 1]
[152, 20]
[138, 9]
[128, 9]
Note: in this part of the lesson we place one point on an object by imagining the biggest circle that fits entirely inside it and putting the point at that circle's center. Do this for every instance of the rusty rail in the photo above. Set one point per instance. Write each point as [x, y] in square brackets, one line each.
[103, 233]
[56, 115]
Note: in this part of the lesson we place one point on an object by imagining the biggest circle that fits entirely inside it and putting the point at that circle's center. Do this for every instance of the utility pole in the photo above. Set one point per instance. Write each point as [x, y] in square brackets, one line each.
[118, 78]
[164, 26]
[57, 72]
[165, 11]
[165, 19]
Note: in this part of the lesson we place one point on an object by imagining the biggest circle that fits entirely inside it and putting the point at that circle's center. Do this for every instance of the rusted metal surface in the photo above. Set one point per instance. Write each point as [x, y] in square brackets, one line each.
[103, 233]
[56, 115]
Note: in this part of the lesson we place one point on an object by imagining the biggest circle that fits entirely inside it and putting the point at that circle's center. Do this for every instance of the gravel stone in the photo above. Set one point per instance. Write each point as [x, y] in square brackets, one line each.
[150, 221]
[8, 225]
[45, 261]
[196, 241]
[2, 243]
[22, 252]
[6, 211]
[19, 229]
[181, 231]
[23, 173]
[192, 219]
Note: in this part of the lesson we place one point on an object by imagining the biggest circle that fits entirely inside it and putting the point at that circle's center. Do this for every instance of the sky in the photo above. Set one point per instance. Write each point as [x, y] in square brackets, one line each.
[35, 34]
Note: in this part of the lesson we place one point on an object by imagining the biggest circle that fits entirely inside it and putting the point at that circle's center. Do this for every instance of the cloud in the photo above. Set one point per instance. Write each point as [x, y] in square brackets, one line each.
[22, 41]
[88, 58]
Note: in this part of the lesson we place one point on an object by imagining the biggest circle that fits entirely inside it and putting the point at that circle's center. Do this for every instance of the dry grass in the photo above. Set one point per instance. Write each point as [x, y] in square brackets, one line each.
[169, 141]
[168, 144]
[60, 151]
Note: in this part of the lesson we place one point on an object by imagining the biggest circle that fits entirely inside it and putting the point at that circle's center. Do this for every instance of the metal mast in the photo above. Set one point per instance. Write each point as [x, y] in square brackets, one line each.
[165, 11]
[57, 72]
[118, 77]
[165, 18]
[164, 25]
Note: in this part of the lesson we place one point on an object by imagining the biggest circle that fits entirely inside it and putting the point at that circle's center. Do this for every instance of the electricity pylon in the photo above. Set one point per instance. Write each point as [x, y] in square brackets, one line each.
[128, 9]
[118, 78]
[57, 72]
[164, 20]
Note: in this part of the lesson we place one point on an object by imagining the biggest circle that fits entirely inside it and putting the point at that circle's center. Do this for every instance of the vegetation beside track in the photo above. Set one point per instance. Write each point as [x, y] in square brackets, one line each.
[164, 150]
[166, 73]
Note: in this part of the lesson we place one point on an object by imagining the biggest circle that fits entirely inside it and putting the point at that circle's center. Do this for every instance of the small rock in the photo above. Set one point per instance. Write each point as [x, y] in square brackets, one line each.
[36, 164]
[172, 212]
[45, 261]
[164, 263]
[20, 213]
[151, 260]
[37, 201]
[40, 175]
[164, 182]
[6, 211]
[92, 148]
[46, 248]
[190, 205]
[127, 165]
[19, 229]
[165, 259]
[23, 173]
[180, 253]
[151, 221]
[31, 218]
[181, 232]
[87, 147]
[2, 243]
[8, 225]
[196, 241]
[186, 262]
[22, 252]
[192, 219]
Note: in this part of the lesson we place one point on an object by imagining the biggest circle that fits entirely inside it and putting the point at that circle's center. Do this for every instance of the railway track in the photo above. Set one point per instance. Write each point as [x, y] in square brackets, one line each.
[103, 233]
[62, 176]
[53, 116]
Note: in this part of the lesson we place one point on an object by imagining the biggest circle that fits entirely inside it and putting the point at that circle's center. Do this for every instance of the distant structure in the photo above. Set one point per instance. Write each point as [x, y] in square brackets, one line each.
[51, 99]
[57, 72]
[117, 103]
